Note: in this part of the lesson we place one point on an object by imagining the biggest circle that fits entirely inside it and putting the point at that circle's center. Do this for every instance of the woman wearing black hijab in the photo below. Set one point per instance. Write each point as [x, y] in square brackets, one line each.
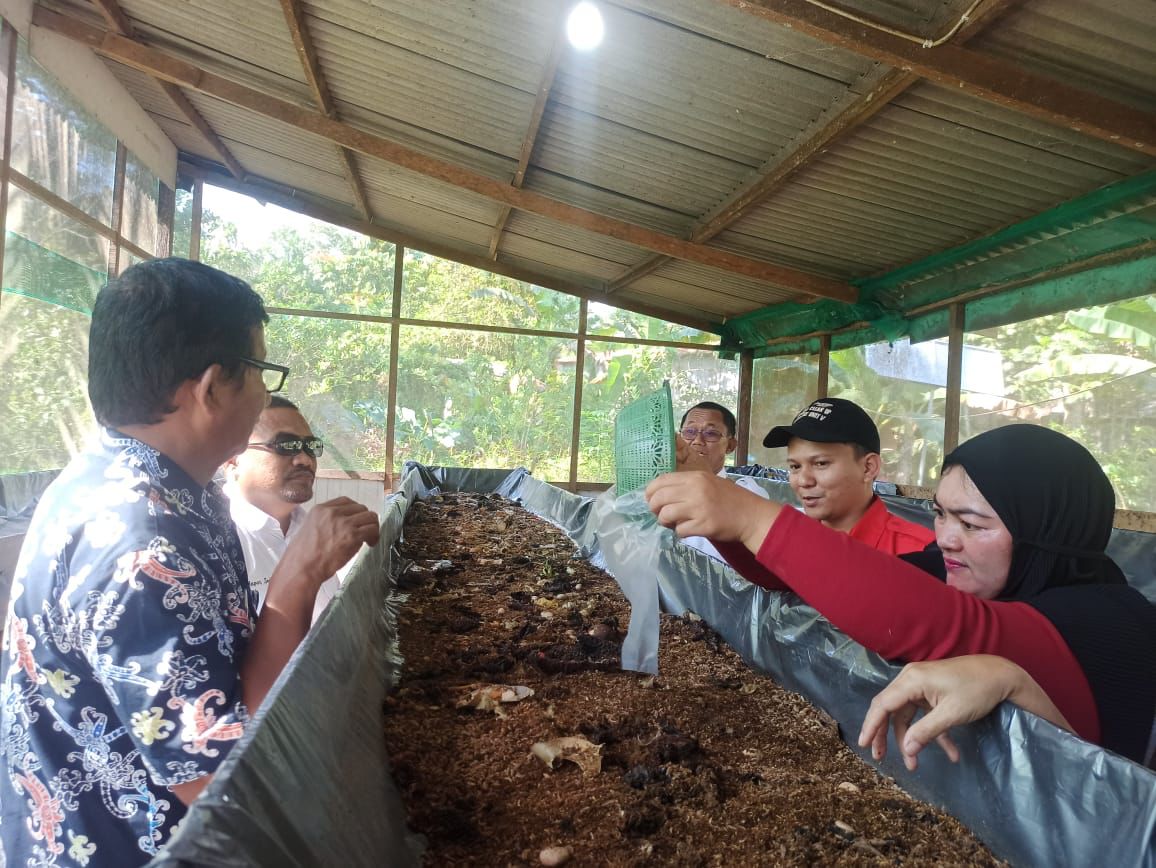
[1023, 518]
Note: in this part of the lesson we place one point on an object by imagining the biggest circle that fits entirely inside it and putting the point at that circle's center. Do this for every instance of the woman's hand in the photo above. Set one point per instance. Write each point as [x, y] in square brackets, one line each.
[696, 503]
[954, 691]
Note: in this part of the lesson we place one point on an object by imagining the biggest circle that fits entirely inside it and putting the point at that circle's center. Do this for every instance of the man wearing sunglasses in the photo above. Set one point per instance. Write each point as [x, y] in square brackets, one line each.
[267, 485]
[706, 437]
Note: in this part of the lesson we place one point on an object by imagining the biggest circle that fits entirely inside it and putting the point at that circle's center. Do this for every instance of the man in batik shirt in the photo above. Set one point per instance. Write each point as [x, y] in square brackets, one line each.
[132, 652]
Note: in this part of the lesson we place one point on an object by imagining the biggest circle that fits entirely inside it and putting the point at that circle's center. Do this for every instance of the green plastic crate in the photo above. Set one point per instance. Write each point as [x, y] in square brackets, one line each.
[644, 440]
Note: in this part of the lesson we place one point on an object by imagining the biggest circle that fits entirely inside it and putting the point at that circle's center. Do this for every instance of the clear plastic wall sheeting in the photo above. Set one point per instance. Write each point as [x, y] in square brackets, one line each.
[1034, 793]
[1135, 552]
[308, 784]
[20, 492]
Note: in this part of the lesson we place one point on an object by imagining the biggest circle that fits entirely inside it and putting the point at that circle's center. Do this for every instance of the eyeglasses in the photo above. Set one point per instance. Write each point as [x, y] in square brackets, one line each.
[272, 375]
[311, 446]
[710, 435]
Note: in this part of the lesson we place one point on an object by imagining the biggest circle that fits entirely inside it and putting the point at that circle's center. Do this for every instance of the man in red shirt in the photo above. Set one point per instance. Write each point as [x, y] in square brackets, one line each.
[833, 461]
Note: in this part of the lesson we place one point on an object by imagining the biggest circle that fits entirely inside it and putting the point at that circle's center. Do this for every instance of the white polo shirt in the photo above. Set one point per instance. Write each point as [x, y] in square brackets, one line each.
[703, 544]
[264, 544]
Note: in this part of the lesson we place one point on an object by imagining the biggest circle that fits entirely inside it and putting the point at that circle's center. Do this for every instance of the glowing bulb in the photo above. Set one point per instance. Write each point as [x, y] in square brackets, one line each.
[584, 26]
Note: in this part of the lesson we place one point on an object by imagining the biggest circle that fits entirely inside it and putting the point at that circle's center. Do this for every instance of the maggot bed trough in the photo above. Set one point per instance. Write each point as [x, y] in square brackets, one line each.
[310, 784]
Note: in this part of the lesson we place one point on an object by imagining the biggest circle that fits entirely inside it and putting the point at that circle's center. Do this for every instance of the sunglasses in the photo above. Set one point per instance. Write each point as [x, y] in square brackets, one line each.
[312, 446]
[710, 435]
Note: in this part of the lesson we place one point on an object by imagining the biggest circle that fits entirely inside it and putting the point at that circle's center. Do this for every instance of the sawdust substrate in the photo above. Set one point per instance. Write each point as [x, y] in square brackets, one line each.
[710, 763]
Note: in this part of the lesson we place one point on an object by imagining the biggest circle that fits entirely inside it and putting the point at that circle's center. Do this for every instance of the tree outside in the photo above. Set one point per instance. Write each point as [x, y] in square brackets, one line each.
[465, 397]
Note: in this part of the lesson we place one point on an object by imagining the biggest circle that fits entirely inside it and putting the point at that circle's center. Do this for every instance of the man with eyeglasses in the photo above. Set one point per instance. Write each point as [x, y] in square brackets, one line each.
[135, 657]
[267, 485]
[706, 438]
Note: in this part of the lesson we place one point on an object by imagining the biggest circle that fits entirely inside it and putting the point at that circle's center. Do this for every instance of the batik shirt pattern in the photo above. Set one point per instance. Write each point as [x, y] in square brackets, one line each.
[129, 619]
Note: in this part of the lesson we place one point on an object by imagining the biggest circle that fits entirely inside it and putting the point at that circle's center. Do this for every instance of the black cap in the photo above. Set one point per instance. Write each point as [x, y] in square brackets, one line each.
[829, 420]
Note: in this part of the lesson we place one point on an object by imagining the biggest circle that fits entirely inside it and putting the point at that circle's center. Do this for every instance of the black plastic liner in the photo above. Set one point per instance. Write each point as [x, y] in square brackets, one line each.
[309, 784]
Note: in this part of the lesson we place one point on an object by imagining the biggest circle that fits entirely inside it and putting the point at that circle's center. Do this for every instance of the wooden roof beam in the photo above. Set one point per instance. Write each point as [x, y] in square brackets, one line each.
[181, 72]
[303, 42]
[112, 13]
[527, 149]
[980, 75]
[297, 200]
[768, 178]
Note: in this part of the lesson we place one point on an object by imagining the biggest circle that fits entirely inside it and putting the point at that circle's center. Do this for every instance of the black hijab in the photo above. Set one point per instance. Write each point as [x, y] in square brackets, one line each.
[1058, 506]
[1055, 501]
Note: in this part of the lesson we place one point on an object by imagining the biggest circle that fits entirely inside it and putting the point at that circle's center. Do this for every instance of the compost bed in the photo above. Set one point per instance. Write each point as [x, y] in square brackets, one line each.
[708, 763]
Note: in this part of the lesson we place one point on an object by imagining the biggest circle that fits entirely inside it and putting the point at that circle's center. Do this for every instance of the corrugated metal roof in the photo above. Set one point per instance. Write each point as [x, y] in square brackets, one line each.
[1106, 48]
[505, 41]
[928, 172]
[525, 248]
[290, 173]
[404, 215]
[711, 282]
[600, 247]
[248, 41]
[146, 90]
[608, 202]
[728, 25]
[730, 102]
[634, 164]
[419, 189]
[410, 88]
[684, 104]
[266, 134]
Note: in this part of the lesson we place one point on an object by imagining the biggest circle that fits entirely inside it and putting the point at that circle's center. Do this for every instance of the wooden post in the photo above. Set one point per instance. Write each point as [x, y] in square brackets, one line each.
[8, 83]
[579, 370]
[195, 222]
[394, 340]
[954, 376]
[746, 381]
[824, 365]
[166, 208]
[117, 210]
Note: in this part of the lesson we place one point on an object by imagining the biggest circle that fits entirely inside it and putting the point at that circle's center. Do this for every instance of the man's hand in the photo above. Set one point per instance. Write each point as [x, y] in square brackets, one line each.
[955, 691]
[332, 534]
[702, 504]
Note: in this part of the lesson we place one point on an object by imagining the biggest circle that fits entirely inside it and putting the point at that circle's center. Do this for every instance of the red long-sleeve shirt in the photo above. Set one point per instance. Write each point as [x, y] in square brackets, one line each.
[902, 613]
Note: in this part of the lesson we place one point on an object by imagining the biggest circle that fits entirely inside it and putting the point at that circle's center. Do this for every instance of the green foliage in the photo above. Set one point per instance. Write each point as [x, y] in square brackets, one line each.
[909, 415]
[1130, 321]
[464, 397]
[1091, 374]
[44, 414]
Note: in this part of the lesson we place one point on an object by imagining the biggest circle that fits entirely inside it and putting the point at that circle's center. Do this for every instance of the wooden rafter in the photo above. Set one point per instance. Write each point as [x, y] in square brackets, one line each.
[527, 149]
[303, 42]
[112, 13]
[809, 144]
[294, 200]
[178, 71]
[971, 72]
